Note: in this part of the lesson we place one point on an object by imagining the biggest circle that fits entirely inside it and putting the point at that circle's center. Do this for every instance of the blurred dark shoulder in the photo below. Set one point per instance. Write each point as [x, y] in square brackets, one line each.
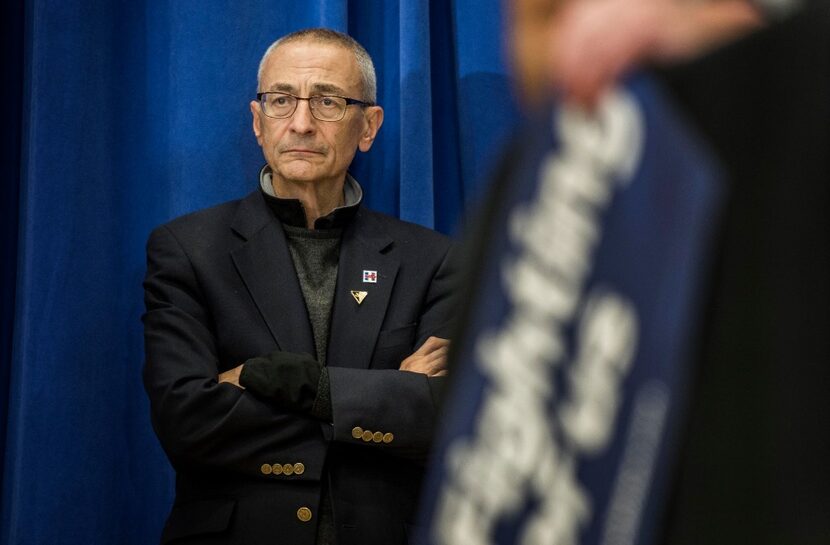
[753, 467]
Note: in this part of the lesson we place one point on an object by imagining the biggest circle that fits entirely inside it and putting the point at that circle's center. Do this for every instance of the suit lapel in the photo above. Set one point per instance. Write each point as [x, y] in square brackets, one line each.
[355, 327]
[265, 265]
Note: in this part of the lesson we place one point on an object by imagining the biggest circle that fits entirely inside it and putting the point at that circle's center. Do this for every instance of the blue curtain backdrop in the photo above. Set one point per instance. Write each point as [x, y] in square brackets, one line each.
[118, 116]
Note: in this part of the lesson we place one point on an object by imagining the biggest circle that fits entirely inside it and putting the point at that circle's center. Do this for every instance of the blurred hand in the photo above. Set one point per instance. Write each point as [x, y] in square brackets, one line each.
[590, 44]
[598, 41]
[430, 359]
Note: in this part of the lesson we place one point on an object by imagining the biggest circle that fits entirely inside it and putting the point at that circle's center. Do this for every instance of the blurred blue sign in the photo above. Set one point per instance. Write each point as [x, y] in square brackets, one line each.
[562, 421]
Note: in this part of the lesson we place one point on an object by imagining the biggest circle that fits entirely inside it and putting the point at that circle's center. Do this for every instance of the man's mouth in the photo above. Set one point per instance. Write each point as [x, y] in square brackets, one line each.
[302, 151]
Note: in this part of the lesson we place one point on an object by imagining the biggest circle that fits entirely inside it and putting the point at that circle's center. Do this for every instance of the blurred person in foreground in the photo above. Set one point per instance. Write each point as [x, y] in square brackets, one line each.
[753, 78]
[652, 423]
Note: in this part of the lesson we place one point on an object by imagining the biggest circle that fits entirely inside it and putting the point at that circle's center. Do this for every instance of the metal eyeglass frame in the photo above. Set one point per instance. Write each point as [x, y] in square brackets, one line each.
[349, 102]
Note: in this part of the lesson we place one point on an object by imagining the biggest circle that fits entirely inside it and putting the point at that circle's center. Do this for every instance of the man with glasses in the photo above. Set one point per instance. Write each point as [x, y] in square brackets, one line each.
[295, 340]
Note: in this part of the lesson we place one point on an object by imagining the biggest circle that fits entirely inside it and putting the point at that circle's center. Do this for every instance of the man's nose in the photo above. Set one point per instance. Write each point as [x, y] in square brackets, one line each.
[302, 121]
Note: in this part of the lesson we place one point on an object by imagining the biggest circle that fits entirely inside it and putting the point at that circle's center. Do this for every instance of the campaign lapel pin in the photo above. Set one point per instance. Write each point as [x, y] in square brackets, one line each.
[359, 296]
[370, 277]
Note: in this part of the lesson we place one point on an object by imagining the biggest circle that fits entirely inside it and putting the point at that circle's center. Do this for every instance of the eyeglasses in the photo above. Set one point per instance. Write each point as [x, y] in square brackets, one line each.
[323, 107]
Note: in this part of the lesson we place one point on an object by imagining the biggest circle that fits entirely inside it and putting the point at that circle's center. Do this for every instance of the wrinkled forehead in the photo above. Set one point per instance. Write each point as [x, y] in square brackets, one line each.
[311, 65]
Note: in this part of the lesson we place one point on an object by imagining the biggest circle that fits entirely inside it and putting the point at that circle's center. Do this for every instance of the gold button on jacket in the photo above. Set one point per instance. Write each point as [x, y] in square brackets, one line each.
[299, 468]
[287, 469]
[265, 469]
[304, 514]
[388, 437]
[357, 432]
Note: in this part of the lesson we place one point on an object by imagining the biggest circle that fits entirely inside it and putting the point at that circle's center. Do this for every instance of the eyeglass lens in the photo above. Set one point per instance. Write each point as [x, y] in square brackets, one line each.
[324, 108]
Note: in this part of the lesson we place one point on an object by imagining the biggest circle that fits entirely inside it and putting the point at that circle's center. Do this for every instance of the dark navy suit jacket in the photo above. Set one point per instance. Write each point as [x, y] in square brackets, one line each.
[221, 288]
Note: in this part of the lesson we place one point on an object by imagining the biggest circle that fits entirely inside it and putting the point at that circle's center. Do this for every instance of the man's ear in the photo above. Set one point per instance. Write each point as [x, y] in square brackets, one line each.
[257, 114]
[374, 119]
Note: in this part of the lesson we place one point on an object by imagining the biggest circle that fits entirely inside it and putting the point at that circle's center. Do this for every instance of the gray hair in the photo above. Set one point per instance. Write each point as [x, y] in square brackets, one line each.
[326, 35]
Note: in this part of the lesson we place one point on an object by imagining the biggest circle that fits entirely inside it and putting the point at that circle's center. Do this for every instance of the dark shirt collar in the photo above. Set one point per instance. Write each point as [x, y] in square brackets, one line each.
[291, 211]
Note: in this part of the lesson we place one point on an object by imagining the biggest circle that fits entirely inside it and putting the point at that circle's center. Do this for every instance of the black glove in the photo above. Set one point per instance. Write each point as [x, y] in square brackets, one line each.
[293, 382]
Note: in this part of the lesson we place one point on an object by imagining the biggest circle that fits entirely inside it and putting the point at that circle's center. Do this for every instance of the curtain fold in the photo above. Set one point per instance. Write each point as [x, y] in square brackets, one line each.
[131, 114]
[415, 99]
[11, 60]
